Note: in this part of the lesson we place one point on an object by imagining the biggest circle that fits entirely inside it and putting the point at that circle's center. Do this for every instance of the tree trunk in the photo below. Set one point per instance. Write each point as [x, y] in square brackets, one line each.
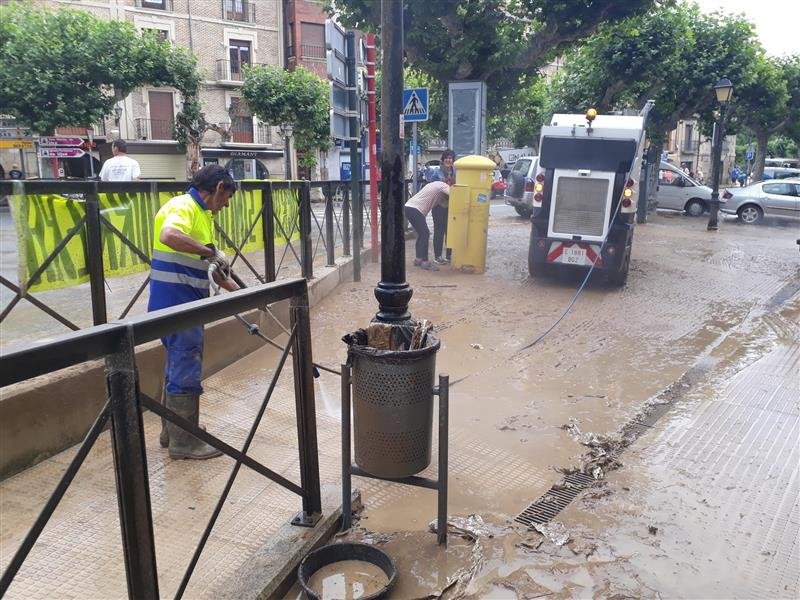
[192, 157]
[654, 160]
[761, 154]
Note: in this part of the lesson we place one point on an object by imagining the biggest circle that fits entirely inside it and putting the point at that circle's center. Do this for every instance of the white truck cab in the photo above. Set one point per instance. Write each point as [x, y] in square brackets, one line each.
[584, 199]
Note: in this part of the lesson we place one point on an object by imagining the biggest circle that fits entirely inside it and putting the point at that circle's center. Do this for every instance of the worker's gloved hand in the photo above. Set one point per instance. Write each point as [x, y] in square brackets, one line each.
[221, 261]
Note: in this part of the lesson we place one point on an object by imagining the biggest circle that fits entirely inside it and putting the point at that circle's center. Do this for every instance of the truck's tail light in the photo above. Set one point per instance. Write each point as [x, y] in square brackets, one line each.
[630, 183]
[537, 197]
[540, 178]
[626, 202]
[627, 193]
[727, 195]
[538, 187]
[528, 184]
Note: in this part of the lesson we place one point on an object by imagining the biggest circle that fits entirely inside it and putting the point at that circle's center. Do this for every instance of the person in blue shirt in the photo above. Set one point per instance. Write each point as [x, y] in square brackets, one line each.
[447, 174]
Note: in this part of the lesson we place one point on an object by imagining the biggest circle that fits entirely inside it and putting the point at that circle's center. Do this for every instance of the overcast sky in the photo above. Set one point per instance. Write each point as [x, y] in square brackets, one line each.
[777, 21]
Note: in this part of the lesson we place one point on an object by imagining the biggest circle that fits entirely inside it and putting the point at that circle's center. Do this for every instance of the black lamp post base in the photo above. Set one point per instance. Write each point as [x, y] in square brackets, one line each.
[393, 299]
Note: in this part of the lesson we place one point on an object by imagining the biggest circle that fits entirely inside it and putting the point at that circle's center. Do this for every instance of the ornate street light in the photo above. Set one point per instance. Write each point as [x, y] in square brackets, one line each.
[287, 131]
[723, 90]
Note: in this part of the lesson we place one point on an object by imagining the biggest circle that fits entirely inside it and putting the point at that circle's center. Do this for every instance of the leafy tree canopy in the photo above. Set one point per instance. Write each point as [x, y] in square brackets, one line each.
[297, 97]
[496, 41]
[768, 104]
[673, 54]
[68, 67]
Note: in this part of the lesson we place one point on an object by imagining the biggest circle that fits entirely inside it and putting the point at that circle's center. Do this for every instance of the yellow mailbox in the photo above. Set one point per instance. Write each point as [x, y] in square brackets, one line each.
[468, 214]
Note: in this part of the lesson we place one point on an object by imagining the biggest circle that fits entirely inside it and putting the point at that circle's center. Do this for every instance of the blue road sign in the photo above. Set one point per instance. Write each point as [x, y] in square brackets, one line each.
[415, 105]
[749, 155]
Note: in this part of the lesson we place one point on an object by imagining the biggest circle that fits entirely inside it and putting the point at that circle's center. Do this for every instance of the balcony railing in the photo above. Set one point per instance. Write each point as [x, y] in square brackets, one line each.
[260, 134]
[239, 10]
[228, 72]
[155, 129]
[165, 5]
[312, 51]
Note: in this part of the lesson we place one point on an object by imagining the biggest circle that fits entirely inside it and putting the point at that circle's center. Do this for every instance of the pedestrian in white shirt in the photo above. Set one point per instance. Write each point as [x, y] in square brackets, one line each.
[121, 167]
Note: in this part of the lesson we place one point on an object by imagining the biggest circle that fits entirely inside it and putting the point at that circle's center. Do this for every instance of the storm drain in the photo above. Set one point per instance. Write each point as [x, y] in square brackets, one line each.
[561, 494]
[555, 499]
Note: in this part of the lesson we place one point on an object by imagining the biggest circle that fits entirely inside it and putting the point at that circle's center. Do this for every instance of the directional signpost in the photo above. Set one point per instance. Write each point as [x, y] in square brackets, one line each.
[61, 152]
[60, 147]
[60, 142]
[415, 109]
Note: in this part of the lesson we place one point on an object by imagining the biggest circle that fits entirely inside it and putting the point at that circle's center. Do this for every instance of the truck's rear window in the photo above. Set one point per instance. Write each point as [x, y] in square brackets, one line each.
[595, 154]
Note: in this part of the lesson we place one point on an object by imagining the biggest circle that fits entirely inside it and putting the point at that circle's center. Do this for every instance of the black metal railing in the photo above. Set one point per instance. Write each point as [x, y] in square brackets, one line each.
[116, 342]
[154, 129]
[292, 234]
[312, 51]
[232, 71]
[239, 10]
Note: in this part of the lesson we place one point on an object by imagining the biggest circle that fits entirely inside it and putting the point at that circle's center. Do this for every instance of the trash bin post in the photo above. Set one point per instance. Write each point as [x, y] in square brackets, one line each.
[347, 509]
[443, 392]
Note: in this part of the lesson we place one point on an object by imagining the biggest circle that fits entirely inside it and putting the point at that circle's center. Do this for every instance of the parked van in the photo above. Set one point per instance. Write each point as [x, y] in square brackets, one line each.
[678, 191]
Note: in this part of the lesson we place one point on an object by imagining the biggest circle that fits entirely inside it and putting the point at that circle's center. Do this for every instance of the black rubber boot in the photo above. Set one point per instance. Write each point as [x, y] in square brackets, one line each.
[163, 437]
[183, 444]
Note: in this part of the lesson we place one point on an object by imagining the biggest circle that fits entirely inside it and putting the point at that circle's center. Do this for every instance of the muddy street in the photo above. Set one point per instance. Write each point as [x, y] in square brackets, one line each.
[699, 310]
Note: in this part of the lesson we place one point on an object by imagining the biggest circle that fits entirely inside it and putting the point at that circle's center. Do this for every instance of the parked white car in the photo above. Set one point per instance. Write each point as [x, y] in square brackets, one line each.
[678, 191]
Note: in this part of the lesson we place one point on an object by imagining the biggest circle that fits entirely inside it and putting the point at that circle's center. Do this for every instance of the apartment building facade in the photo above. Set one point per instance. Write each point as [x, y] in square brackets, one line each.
[687, 147]
[224, 35]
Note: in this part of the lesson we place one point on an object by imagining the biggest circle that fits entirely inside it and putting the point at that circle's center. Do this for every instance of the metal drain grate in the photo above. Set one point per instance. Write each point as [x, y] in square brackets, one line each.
[555, 499]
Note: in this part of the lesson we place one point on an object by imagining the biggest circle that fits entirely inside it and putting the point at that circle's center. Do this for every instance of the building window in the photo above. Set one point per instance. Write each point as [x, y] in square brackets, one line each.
[688, 139]
[312, 40]
[162, 35]
[240, 10]
[155, 4]
[241, 122]
[290, 39]
[240, 55]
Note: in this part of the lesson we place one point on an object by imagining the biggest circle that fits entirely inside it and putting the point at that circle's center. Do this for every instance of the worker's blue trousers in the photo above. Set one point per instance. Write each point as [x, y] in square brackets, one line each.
[184, 368]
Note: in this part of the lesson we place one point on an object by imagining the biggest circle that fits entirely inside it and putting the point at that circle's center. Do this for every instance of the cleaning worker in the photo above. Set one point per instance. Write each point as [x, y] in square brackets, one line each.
[183, 249]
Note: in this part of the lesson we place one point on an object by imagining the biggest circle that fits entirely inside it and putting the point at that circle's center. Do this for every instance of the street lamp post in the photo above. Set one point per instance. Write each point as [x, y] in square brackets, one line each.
[287, 131]
[723, 90]
[393, 292]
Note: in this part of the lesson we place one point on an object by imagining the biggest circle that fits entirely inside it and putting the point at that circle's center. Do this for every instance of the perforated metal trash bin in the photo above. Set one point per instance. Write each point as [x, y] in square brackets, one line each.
[393, 408]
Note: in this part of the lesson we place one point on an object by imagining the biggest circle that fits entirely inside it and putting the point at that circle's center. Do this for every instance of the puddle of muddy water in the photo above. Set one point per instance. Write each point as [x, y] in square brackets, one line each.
[348, 580]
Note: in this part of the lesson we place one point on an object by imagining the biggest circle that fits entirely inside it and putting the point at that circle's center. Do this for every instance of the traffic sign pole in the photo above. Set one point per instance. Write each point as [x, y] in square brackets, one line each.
[414, 155]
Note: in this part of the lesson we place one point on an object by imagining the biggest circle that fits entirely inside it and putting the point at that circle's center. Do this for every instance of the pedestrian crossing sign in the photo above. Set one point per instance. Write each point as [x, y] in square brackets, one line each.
[415, 104]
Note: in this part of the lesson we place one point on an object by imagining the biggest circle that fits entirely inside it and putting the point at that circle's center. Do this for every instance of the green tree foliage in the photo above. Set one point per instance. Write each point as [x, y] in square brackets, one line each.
[527, 110]
[496, 41]
[674, 55]
[769, 104]
[298, 97]
[68, 67]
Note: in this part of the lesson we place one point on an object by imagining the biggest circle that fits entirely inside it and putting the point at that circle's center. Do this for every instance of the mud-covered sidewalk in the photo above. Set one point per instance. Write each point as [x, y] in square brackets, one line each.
[700, 502]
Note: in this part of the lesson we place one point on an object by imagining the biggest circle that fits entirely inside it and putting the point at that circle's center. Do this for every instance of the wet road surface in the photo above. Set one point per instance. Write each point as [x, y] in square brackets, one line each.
[714, 305]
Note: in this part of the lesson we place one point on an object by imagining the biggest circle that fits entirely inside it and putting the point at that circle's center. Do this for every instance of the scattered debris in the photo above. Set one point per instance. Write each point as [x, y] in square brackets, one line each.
[379, 335]
[652, 530]
[554, 531]
[471, 527]
[476, 346]
[419, 335]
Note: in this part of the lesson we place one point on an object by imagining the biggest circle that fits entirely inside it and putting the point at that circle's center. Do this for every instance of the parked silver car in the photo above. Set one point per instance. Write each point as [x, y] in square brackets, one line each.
[780, 173]
[751, 203]
[519, 189]
[678, 191]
